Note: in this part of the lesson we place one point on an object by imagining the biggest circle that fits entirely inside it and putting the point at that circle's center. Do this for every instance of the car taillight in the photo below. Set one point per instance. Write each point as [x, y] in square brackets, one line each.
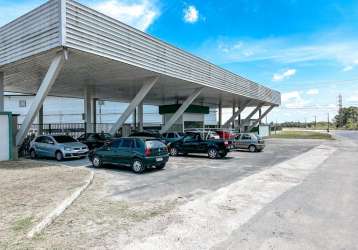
[226, 143]
[147, 152]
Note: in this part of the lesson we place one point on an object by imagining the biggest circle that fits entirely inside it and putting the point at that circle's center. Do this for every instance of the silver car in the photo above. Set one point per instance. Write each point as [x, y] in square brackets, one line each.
[250, 141]
[57, 146]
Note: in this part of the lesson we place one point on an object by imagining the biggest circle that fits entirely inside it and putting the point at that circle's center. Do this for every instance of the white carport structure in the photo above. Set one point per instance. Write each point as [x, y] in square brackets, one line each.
[63, 48]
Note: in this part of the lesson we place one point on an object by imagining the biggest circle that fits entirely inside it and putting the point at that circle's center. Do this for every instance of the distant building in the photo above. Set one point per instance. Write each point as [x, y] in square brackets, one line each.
[70, 110]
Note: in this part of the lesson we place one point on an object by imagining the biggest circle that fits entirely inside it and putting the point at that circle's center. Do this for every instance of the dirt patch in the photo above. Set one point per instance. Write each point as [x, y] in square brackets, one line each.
[97, 221]
[29, 190]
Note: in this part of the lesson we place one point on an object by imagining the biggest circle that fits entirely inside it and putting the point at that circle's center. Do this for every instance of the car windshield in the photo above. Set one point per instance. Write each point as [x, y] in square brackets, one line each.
[64, 139]
[181, 134]
[105, 136]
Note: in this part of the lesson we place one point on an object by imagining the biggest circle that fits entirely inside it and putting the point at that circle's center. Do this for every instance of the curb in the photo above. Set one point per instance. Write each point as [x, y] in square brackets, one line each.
[50, 218]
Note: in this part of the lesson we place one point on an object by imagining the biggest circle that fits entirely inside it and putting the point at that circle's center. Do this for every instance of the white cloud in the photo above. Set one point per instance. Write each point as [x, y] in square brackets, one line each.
[312, 92]
[139, 14]
[284, 75]
[191, 14]
[351, 66]
[293, 99]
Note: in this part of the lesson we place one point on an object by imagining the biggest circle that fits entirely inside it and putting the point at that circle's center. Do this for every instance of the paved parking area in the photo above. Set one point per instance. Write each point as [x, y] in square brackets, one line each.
[194, 174]
[277, 199]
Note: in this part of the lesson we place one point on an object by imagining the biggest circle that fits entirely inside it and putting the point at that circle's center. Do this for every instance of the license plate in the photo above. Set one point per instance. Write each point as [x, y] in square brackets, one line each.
[159, 159]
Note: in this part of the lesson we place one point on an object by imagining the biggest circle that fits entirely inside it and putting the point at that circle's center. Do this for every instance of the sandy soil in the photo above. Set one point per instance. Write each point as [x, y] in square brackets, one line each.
[29, 190]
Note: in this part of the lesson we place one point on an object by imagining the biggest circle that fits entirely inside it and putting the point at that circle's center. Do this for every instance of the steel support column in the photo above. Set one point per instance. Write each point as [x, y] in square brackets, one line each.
[45, 87]
[89, 109]
[140, 117]
[220, 115]
[148, 85]
[2, 98]
[41, 119]
[233, 117]
[181, 110]
[261, 117]
[248, 118]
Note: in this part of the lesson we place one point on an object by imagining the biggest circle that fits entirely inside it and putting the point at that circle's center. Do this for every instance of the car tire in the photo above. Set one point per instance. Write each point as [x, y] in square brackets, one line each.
[59, 156]
[223, 155]
[33, 154]
[252, 148]
[213, 153]
[173, 151]
[138, 166]
[161, 166]
[97, 162]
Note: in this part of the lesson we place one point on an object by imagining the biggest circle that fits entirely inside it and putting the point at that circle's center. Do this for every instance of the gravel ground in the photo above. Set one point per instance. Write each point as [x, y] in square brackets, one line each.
[29, 190]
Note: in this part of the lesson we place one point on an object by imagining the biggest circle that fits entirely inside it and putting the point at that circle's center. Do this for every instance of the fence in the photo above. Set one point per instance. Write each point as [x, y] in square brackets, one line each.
[77, 129]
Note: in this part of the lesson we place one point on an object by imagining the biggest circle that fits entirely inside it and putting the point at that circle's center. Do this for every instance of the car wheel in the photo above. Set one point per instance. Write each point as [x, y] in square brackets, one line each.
[138, 166]
[33, 154]
[97, 162]
[223, 155]
[252, 148]
[212, 153]
[173, 151]
[161, 166]
[59, 156]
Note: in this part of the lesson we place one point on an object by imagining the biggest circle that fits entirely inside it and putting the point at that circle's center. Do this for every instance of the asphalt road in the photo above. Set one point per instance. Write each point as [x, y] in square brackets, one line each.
[321, 213]
[196, 174]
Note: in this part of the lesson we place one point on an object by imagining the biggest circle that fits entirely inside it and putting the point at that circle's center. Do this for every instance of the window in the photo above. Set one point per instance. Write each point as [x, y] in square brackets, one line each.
[116, 143]
[246, 137]
[171, 135]
[39, 139]
[64, 139]
[22, 103]
[127, 143]
[190, 138]
[47, 140]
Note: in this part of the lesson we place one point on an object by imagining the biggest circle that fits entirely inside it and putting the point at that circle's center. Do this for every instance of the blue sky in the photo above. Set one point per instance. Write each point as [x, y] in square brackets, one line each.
[308, 50]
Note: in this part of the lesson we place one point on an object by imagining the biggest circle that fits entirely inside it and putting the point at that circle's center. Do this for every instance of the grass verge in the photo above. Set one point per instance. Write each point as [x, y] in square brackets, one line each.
[302, 135]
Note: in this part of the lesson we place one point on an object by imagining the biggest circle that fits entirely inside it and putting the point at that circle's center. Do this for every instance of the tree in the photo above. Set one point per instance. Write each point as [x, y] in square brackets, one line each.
[347, 118]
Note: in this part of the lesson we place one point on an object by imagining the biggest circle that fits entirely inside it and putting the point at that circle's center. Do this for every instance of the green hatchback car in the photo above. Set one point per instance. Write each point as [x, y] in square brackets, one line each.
[139, 153]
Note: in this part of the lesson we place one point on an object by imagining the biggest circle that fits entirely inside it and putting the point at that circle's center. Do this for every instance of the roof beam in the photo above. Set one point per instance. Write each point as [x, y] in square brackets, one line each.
[45, 87]
[260, 118]
[147, 86]
[181, 110]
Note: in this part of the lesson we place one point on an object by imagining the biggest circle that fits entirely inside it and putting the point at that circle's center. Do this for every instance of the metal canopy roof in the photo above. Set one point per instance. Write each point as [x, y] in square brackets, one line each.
[114, 58]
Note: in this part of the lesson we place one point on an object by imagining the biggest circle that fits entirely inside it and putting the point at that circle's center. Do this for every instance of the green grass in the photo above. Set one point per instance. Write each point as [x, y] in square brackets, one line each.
[22, 224]
[302, 135]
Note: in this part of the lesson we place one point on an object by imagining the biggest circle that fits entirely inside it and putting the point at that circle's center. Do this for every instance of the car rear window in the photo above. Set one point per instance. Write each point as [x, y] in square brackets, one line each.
[64, 139]
[154, 144]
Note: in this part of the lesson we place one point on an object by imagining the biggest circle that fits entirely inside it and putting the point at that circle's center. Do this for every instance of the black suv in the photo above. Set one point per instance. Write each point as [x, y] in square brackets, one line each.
[95, 140]
[193, 143]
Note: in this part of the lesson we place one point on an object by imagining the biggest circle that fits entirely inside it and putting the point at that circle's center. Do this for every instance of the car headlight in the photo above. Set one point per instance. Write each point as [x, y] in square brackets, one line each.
[67, 149]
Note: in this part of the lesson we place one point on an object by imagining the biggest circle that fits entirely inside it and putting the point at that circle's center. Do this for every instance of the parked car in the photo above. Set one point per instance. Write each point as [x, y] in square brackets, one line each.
[250, 141]
[206, 134]
[57, 146]
[95, 140]
[193, 143]
[137, 152]
[226, 135]
[149, 134]
[172, 136]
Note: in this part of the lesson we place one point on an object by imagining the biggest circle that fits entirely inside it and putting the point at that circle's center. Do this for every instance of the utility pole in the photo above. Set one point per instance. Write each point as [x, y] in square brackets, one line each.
[340, 107]
[328, 123]
[315, 121]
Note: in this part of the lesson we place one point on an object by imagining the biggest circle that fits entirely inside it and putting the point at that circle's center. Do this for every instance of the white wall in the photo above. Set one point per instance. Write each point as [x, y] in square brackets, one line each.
[70, 110]
[4, 135]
